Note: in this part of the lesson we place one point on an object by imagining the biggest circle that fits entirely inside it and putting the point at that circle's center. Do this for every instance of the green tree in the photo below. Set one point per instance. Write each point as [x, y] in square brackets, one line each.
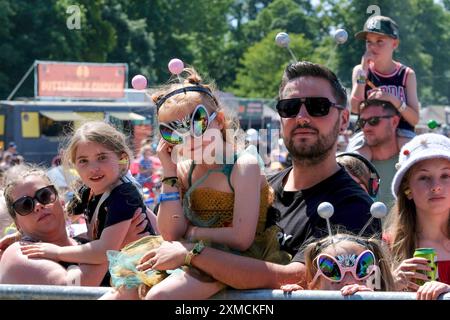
[37, 30]
[263, 65]
[135, 45]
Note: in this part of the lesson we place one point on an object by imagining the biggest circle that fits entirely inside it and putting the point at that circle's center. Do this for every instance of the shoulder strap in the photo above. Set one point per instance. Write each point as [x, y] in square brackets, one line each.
[105, 195]
[191, 170]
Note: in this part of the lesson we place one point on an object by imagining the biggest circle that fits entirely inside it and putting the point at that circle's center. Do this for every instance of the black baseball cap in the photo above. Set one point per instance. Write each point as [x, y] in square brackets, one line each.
[380, 25]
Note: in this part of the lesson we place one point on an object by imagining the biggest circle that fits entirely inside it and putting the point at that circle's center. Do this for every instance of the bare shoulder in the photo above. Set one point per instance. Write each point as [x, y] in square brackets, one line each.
[183, 170]
[357, 68]
[17, 268]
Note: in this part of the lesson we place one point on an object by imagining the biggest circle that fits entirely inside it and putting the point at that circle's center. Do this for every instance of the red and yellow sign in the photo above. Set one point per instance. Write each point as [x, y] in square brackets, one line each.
[81, 80]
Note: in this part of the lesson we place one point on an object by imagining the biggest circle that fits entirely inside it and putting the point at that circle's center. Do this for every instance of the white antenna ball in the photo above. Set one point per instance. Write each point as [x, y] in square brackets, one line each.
[378, 210]
[282, 39]
[340, 36]
[325, 210]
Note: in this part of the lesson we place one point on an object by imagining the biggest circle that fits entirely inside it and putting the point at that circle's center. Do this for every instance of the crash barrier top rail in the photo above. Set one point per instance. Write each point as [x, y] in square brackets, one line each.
[45, 292]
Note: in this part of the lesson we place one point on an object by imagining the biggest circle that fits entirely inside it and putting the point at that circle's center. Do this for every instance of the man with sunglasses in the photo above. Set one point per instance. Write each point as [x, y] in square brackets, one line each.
[378, 120]
[312, 106]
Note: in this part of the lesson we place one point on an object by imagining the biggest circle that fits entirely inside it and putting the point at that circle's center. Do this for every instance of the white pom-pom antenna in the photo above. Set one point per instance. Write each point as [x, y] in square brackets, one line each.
[282, 40]
[325, 210]
[377, 210]
[340, 36]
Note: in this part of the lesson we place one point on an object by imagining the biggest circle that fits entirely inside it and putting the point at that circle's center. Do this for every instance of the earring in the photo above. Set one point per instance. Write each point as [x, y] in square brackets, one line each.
[408, 192]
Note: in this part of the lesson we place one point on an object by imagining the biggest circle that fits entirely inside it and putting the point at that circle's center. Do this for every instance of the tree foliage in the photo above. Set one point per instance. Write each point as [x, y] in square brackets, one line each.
[231, 41]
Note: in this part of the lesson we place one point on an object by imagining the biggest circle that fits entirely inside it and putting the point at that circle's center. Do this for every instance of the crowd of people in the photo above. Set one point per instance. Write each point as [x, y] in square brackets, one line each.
[216, 203]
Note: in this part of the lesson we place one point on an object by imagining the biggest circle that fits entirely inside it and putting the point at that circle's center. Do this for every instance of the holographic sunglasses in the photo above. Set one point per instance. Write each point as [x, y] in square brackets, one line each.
[196, 123]
[361, 266]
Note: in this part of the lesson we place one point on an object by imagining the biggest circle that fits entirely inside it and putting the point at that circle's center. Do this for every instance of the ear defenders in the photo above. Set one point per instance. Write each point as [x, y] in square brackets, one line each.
[374, 180]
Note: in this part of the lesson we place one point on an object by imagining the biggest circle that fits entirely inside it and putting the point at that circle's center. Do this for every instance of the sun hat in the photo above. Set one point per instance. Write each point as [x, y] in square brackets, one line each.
[421, 147]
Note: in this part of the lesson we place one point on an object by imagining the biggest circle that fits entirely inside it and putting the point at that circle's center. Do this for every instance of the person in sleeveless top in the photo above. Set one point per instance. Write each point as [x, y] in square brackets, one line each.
[421, 217]
[214, 194]
[109, 199]
[36, 208]
[380, 77]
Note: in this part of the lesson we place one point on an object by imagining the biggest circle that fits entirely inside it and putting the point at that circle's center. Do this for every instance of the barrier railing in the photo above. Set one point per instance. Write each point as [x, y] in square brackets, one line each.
[41, 292]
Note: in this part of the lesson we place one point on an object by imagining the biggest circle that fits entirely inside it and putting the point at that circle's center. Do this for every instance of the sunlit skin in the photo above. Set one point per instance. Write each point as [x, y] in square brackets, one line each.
[46, 222]
[428, 185]
[349, 284]
[97, 166]
[381, 133]
[380, 48]
[313, 129]
[429, 182]
[193, 148]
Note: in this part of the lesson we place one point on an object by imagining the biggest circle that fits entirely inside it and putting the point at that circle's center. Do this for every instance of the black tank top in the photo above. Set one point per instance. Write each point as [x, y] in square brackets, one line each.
[394, 83]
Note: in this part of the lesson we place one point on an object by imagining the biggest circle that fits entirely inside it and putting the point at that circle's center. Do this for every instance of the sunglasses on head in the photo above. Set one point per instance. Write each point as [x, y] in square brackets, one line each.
[316, 106]
[372, 121]
[26, 204]
[196, 124]
[361, 267]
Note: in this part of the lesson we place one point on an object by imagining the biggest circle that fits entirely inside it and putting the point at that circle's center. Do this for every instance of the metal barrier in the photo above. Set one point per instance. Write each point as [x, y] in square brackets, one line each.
[41, 292]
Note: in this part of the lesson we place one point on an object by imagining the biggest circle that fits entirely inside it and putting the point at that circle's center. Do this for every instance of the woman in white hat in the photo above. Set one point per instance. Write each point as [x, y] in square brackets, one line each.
[421, 217]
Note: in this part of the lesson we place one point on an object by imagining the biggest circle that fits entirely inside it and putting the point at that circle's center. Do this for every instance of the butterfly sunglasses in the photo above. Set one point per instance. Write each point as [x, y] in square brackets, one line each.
[361, 267]
[196, 123]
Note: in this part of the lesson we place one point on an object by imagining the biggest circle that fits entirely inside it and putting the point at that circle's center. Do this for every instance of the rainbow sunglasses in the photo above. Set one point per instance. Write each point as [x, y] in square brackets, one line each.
[361, 267]
[196, 124]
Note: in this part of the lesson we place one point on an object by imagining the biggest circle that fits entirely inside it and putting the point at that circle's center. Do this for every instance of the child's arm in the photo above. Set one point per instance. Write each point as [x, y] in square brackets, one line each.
[411, 113]
[246, 178]
[18, 269]
[357, 94]
[93, 252]
[171, 221]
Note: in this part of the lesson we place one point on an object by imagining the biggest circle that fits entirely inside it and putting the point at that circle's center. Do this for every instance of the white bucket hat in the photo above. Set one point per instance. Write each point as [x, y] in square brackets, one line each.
[421, 147]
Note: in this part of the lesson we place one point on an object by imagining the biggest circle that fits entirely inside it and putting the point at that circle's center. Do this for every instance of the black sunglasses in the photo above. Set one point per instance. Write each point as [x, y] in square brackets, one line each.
[316, 106]
[373, 121]
[25, 205]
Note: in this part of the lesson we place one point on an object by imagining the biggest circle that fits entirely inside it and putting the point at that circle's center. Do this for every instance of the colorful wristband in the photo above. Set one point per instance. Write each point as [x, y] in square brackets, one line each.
[169, 196]
[361, 79]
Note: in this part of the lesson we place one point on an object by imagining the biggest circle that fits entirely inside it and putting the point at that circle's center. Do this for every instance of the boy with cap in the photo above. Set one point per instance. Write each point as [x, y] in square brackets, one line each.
[380, 77]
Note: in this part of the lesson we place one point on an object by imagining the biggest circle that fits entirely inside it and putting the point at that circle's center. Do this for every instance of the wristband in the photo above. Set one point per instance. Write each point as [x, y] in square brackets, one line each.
[361, 79]
[402, 107]
[171, 181]
[169, 196]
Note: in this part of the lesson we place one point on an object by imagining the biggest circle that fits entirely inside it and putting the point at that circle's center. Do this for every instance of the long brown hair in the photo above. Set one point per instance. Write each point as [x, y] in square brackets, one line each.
[401, 225]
